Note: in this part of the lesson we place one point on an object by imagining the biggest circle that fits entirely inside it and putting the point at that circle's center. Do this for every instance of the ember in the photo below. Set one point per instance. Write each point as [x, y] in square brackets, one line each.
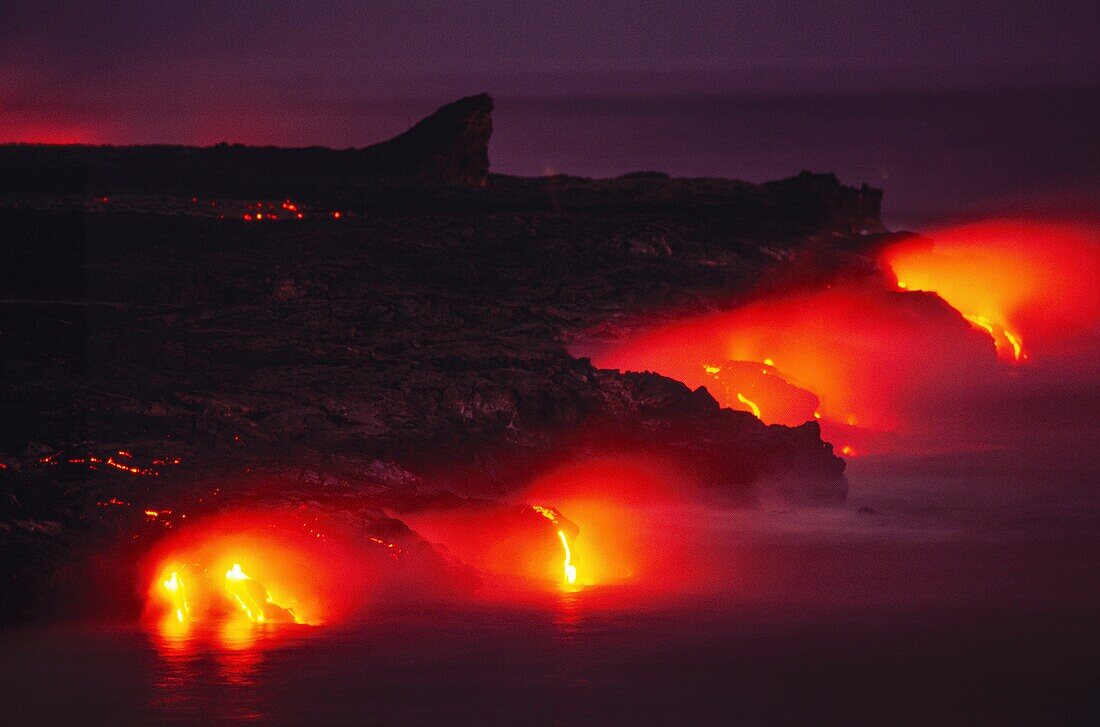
[112, 462]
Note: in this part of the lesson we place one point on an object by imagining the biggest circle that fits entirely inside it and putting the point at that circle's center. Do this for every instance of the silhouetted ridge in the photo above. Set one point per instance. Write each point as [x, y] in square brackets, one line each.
[449, 146]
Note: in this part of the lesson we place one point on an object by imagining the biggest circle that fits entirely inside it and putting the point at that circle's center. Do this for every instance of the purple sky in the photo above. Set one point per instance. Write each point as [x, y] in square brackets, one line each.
[297, 72]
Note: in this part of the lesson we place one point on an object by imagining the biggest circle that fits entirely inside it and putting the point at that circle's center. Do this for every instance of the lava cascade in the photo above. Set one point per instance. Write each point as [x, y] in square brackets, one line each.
[247, 566]
[1019, 281]
[887, 362]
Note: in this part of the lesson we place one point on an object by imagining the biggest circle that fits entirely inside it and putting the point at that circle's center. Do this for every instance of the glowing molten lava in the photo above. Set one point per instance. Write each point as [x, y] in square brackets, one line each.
[751, 404]
[177, 596]
[1003, 339]
[842, 356]
[898, 361]
[1006, 277]
[253, 598]
[569, 570]
[253, 567]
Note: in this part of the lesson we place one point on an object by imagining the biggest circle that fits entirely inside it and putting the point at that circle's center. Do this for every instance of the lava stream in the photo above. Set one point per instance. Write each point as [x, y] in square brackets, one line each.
[569, 570]
[900, 361]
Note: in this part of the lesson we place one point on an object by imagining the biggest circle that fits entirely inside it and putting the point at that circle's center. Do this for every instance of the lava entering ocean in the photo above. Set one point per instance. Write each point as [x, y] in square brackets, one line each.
[629, 509]
[569, 571]
[517, 547]
[900, 357]
[608, 526]
[1007, 277]
[253, 566]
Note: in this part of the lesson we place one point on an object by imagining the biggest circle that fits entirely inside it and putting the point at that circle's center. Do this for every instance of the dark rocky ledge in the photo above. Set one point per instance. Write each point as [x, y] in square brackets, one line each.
[411, 350]
[450, 146]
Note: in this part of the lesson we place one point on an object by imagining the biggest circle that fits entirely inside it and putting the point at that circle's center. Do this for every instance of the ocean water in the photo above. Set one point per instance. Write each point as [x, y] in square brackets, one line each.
[946, 605]
[705, 664]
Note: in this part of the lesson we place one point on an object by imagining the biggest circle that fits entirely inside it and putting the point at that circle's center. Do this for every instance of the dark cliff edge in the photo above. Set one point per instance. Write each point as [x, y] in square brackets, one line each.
[451, 146]
[411, 349]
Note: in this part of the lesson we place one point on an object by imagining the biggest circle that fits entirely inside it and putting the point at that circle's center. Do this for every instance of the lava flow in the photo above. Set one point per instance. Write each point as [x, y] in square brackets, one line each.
[253, 567]
[882, 363]
[568, 569]
[253, 598]
[517, 548]
[1011, 279]
[637, 518]
[855, 357]
[178, 597]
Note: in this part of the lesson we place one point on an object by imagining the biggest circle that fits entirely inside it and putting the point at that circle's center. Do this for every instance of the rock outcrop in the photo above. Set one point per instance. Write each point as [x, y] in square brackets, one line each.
[451, 145]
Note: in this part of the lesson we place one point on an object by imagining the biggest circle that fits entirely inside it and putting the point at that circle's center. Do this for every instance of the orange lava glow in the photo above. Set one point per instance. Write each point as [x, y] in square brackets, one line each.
[879, 360]
[846, 356]
[253, 598]
[569, 571]
[750, 404]
[1012, 279]
[609, 526]
[519, 548]
[626, 508]
[177, 596]
[252, 567]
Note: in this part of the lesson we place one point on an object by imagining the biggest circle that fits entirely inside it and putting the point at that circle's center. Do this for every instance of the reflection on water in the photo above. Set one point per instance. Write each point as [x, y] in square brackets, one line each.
[567, 616]
[214, 670]
[571, 663]
[178, 670]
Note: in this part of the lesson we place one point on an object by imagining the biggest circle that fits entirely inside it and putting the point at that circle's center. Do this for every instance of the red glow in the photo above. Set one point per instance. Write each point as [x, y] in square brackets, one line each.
[625, 507]
[509, 544]
[277, 564]
[611, 523]
[846, 354]
[569, 571]
[1013, 279]
[37, 132]
[871, 358]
